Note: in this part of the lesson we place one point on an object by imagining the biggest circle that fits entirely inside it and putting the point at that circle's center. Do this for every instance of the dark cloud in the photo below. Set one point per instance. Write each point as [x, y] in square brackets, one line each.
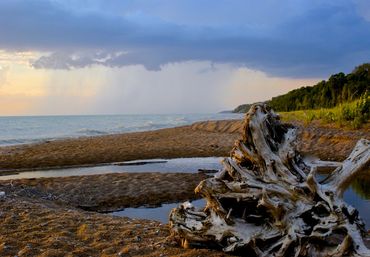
[310, 40]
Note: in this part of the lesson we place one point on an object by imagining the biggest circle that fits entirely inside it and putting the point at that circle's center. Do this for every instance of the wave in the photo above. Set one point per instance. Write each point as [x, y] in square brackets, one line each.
[152, 125]
[144, 127]
[10, 142]
[29, 130]
[179, 120]
[91, 132]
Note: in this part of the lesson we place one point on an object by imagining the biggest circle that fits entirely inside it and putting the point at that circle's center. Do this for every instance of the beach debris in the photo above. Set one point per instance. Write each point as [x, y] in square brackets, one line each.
[266, 201]
[207, 171]
[2, 194]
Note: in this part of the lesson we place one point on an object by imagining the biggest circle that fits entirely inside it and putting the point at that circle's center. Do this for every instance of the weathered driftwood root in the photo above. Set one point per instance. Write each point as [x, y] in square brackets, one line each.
[267, 202]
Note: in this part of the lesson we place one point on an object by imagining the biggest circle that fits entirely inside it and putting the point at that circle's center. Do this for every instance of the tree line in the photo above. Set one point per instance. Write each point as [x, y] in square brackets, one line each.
[339, 88]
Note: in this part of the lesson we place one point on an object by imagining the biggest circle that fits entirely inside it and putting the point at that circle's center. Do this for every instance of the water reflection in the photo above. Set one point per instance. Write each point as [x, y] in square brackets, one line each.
[358, 195]
[159, 213]
[361, 185]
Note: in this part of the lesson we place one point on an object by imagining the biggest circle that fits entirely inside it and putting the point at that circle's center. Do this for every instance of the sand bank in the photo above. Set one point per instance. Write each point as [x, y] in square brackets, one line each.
[108, 192]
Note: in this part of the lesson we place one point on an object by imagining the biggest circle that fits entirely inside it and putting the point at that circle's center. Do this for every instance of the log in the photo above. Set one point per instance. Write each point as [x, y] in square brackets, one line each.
[266, 201]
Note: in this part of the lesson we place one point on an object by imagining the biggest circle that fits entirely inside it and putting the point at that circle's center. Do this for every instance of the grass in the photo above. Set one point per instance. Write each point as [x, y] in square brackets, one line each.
[351, 115]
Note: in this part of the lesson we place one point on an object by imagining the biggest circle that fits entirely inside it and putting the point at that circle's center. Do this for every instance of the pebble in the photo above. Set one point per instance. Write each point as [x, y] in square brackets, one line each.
[2, 194]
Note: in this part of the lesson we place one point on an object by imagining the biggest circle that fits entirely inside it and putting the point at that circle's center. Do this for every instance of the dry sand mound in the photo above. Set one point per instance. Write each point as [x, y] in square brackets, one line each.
[325, 142]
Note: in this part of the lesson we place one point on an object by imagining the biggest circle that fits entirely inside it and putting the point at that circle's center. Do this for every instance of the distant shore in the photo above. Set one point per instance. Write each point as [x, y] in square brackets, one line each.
[202, 139]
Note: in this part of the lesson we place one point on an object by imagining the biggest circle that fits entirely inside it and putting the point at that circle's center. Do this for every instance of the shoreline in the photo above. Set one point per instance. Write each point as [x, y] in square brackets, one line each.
[201, 139]
[167, 143]
[41, 140]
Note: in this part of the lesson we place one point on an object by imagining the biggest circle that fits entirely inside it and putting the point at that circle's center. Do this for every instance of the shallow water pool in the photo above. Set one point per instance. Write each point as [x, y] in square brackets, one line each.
[357, 194]
[186, 165]
[158, 213]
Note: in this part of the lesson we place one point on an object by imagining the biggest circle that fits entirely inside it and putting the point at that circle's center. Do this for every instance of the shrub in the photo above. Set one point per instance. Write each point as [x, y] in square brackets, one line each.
[353, 114]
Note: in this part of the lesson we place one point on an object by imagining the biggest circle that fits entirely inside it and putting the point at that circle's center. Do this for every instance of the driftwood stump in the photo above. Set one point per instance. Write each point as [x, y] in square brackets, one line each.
[267, 201]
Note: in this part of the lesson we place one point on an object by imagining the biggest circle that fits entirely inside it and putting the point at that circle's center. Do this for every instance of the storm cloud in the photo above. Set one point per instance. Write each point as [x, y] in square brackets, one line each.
[281, 38]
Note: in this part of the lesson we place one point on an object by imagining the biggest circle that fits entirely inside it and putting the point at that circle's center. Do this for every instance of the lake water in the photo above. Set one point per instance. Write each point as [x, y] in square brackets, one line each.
[34, 129]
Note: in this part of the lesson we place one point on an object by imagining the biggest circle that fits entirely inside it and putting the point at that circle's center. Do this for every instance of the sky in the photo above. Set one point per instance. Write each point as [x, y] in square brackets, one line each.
[171, 56]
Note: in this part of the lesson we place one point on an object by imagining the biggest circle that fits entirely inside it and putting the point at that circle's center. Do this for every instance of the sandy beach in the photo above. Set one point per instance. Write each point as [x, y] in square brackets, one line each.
[60, 216]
